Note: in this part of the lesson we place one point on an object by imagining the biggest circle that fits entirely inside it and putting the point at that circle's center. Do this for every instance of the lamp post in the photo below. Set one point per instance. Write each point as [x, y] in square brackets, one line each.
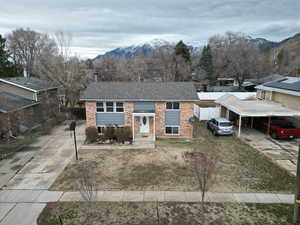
[73, 128]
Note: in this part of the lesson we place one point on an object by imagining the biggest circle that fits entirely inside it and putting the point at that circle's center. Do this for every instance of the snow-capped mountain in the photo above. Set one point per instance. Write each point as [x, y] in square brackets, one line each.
[147, 49]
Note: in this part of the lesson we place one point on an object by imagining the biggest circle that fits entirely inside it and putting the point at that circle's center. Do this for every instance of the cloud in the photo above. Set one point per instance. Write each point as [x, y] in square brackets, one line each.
[107, 24]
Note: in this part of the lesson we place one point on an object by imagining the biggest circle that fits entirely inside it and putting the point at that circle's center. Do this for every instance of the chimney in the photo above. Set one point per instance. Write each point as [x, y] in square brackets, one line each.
[25, 73]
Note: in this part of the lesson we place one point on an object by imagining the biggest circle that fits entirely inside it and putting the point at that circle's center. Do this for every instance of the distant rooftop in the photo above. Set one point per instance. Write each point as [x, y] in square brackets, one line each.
[30, 83]
[288, 85]
[141, 91]
[10, 102]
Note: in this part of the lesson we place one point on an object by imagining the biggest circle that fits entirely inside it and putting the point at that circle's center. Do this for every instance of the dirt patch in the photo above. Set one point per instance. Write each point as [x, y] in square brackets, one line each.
[106, 213]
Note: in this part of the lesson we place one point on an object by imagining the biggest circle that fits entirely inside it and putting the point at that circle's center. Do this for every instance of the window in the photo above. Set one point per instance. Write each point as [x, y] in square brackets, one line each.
[100, 107]
[262, 95]
[172, 130]
[172, 105]
[119, 107]
[109, 106]
[100, 130]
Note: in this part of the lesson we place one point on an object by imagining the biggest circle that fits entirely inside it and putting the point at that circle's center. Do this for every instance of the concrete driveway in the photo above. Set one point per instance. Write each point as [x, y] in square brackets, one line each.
[34, 170]
[38, 166]
[283, 152]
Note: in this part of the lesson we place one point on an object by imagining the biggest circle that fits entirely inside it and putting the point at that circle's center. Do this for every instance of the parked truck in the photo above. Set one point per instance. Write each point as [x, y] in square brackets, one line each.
[279, 128]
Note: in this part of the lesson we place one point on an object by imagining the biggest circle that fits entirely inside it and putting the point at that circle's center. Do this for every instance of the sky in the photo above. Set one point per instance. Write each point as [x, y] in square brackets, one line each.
[98, 26]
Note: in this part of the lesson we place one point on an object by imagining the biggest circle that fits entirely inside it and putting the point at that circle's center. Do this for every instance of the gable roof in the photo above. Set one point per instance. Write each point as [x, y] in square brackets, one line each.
[29, 83]
[141, 91]
[288, 85]
[10, 102]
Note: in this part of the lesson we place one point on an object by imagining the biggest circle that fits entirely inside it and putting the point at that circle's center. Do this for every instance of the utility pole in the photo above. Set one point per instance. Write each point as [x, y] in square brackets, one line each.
[297, 194]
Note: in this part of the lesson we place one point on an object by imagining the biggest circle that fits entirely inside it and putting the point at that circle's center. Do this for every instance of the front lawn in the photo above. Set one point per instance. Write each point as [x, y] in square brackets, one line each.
[240, 167]
[150, 213]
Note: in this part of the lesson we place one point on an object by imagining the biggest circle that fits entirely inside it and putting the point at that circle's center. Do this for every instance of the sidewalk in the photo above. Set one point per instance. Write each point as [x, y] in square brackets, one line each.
[44, 196]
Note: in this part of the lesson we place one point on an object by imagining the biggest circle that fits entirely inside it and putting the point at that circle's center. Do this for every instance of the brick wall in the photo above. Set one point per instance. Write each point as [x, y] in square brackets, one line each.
[128, 110]
[90, 109]
[186, 112]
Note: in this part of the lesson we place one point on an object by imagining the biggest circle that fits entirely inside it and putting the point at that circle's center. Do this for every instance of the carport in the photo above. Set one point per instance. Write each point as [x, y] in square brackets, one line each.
[253, 108]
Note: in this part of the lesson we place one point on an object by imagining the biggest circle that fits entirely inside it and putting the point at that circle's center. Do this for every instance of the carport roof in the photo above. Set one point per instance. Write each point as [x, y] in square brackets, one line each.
[255, 108]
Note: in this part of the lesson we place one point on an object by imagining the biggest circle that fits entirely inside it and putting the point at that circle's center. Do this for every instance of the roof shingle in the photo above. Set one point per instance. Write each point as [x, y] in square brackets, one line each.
[141, 91]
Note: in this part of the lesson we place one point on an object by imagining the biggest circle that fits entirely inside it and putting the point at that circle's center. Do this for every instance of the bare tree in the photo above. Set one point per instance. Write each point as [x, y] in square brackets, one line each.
[25, 46]
[88, 187]
[57, 65]
[204, 166]
[236, 57]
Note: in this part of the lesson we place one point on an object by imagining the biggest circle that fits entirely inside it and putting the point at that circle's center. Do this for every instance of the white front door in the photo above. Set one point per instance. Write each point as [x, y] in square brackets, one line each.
[144, 124]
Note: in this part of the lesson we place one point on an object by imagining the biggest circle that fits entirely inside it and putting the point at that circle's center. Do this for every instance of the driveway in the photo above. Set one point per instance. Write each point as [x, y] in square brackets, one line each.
[35, 168]
[38, 166]
[283, 152]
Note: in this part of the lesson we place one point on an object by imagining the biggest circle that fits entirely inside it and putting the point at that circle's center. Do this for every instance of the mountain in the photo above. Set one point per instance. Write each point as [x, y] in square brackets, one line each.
[147, 49]
[264, 44]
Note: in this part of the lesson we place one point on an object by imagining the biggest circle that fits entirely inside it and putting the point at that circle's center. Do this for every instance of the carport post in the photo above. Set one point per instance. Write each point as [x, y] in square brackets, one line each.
[240, 124]
[297, 194]
[269, 125]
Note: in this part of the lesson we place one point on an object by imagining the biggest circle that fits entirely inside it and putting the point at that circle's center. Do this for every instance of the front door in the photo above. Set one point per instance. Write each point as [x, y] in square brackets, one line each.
[144, 124]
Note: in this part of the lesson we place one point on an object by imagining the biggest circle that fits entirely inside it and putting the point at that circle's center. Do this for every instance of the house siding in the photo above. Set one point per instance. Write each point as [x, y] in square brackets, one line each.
[144, 106]
[106, 119]
[173, 117]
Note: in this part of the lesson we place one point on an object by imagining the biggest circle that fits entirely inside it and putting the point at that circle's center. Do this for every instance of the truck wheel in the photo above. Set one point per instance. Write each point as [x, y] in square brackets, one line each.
[208, 127]
[274, 135]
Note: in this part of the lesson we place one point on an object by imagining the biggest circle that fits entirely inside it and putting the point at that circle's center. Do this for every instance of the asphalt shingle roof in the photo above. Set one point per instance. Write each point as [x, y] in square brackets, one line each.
[30, 83]
[287, 83]
[9, 102]
[141, 91]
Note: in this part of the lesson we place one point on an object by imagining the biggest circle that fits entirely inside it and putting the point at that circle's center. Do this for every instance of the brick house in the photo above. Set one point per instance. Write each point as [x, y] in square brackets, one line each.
[26, 102]
[151, 109]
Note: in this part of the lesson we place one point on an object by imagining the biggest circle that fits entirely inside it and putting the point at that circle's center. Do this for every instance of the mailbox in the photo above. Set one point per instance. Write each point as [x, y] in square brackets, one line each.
[73, 125]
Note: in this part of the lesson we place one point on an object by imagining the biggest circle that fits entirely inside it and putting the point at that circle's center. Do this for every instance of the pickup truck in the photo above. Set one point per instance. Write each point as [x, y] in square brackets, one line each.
[279, 128]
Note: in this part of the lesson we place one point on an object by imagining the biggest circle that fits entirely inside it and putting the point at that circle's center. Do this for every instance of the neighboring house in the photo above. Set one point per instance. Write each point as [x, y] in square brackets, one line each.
[285, 91]
[26, 102]
[279, 99]
[152, 109]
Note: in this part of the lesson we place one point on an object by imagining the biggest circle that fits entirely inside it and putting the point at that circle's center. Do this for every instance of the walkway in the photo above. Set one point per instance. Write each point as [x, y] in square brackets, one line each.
[44, 196]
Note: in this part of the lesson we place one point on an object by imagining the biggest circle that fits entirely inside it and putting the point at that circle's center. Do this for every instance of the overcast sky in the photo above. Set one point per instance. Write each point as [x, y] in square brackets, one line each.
[98, 26]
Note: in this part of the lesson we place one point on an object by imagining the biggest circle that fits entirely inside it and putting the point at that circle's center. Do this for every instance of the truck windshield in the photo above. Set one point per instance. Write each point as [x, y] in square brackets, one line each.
[225, 124]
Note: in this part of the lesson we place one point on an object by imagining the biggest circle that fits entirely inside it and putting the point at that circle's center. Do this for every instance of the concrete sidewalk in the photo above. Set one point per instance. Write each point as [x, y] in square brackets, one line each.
[44, 196]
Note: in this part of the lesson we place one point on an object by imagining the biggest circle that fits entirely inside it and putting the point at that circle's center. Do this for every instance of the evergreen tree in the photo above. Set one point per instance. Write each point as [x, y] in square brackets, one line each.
[7, 68]
[182, 50]
[206, 63]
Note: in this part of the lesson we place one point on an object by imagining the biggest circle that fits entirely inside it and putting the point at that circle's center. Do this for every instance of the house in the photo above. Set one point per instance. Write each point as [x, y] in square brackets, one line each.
[279, 98]
[285, 90]
[151, 109]
[26, 102]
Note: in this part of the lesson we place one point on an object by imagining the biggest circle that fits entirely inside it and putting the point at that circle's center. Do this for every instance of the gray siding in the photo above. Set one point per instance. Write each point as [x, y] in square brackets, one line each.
[173, 117]
[105, 119]
[17, 91]
[144, 107]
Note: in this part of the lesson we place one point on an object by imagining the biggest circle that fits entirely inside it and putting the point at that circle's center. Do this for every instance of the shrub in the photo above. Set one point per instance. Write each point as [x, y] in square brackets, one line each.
[109, 134]
[91, 134]
[123, 134]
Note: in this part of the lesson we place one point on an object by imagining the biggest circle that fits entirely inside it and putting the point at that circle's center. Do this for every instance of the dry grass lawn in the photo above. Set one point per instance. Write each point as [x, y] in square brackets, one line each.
[171, 213]
[240, 167]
